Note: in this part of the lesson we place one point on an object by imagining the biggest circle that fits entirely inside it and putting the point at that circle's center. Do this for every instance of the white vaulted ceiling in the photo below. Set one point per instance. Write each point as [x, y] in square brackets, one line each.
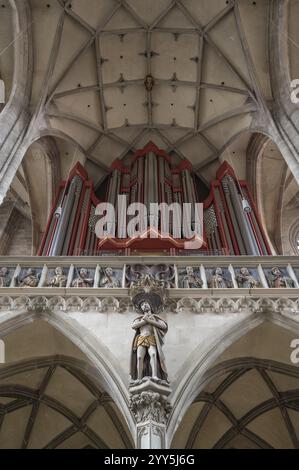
[96, 54]
[209, 60]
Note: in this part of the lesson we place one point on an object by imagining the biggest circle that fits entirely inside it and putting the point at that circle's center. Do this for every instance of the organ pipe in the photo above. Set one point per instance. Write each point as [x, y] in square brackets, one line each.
[152, 176]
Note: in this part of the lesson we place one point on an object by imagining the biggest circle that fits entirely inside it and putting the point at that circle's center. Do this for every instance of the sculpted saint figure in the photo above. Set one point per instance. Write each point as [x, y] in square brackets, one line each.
[4, 277]
[30, 279]
[191, 280]
[218, 281]
[147, 359]
[59, 280]
[279, 280]
[82, 280]
[109, 280]
[245, 279]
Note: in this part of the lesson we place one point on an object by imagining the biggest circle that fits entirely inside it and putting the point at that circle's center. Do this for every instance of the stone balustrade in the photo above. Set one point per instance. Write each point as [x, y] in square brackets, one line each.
[196, 273]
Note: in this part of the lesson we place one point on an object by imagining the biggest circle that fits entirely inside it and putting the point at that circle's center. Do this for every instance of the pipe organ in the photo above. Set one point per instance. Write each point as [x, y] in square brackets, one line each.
[71, 225]
[152, 177]
[231, 221]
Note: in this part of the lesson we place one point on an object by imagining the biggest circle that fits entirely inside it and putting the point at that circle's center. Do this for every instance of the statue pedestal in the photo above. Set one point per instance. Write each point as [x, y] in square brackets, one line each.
[151, 408]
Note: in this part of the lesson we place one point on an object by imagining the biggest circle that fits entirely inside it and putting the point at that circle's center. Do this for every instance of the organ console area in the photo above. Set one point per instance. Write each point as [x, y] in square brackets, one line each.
[231, 221]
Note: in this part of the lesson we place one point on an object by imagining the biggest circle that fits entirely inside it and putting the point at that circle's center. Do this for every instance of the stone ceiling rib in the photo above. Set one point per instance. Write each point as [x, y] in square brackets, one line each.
[176, 29]
[149, 30]
[278, 400]
[25, 396]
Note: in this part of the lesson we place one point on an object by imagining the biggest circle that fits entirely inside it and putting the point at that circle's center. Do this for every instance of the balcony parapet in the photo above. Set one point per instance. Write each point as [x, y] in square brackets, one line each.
[214, 285]
[194, 273]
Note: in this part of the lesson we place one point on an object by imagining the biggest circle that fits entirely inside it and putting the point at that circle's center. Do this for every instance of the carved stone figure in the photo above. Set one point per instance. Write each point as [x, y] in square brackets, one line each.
[191, 280]
[147, 359]
[4, 277]
[59, 280]
[218, 280]
[30, 279]
[82, 280]
[109, 280]
[246, 280]
[279, 280]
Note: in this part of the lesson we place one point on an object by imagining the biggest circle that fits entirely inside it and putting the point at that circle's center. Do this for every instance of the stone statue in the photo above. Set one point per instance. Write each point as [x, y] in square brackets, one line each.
[246, 280]
[191, 280]
[218, 280]
[147, 359]
[109, 280]
[82, 280]
[30, 279]
[59, 280]
[4, 277]
[279, 280]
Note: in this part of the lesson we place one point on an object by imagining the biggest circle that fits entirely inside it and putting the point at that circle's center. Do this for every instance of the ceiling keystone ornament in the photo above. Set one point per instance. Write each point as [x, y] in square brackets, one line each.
[149, 83]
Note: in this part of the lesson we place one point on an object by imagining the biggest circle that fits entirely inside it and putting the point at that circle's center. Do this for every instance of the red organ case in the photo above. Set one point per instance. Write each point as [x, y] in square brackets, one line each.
[231, 222]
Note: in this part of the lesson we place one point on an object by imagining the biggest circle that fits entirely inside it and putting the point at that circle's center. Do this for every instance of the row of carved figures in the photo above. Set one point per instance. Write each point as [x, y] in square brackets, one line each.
[166, 276]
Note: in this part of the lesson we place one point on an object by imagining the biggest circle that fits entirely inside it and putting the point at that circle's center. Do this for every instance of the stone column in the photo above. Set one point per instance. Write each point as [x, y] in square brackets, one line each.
[15, 117]
[151, 408]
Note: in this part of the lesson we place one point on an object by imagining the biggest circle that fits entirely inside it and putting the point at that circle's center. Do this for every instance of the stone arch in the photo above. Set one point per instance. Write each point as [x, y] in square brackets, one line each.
[72, 347]
[241, 427]
[203, 360]
[41, 166]
[264, 159]
[294, 237]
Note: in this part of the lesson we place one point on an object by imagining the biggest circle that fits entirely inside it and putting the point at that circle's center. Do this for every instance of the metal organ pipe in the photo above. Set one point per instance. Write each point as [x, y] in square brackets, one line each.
[51, 228]
[249, 241]
[72, 218]
[233, 217]
[64, 218]
[224, 221]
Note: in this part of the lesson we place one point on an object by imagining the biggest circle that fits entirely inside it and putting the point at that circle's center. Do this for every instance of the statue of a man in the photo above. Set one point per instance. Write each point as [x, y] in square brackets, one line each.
[109, 280]
[218, 280]
[246, 280]
[59, 280]
[147, 359]
[82, 280]
[30, 279]
[191, 280]
[4, 277]
[279, 280]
